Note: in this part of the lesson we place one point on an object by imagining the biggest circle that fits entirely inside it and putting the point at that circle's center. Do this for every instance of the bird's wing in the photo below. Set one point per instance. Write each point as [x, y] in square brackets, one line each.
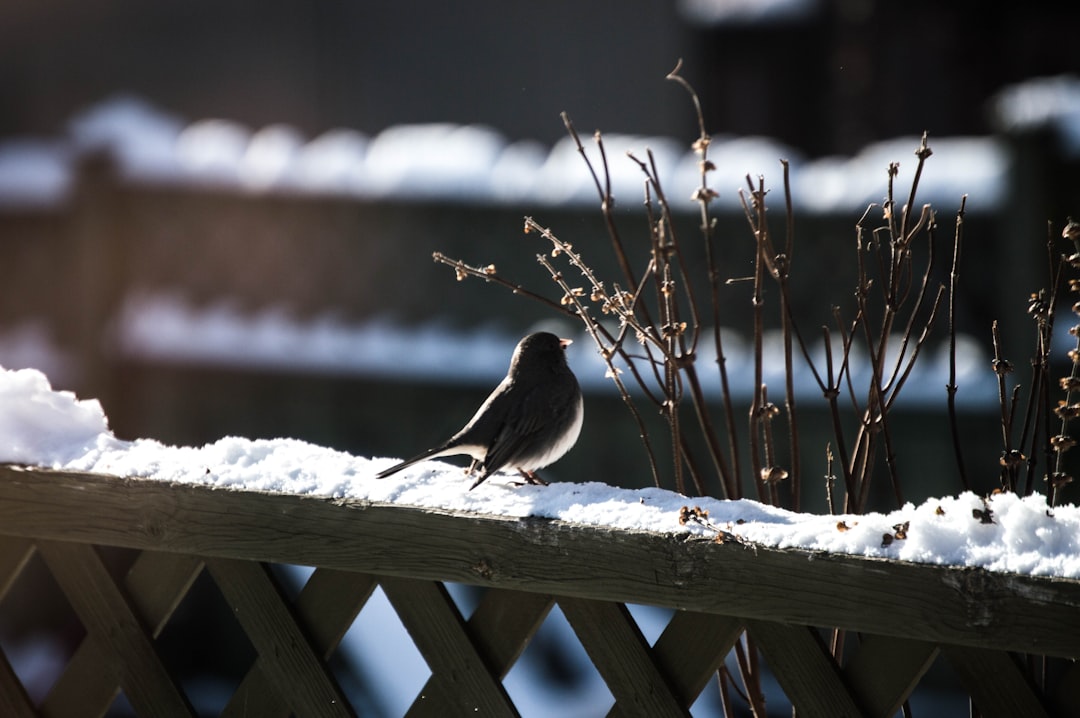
[525, 418]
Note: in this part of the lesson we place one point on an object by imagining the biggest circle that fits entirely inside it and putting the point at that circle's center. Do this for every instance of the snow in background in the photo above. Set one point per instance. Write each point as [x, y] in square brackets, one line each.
[54, 429]
[1051, 103]
[477, 164]
[162, 327]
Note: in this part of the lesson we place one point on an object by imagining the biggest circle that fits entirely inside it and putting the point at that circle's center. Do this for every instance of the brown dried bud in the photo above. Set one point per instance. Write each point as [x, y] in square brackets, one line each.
[1038, 307]
[1071, 231]
[773, 474]
[1059, 479]
[704, 194]
[696, 514]
[1070, 383]
[769, 411]
[1062, 442]
[673, 330]
[1012, 459]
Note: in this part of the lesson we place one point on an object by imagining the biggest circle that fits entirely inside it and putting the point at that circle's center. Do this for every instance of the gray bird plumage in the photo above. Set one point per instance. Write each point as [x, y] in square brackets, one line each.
[530, 420]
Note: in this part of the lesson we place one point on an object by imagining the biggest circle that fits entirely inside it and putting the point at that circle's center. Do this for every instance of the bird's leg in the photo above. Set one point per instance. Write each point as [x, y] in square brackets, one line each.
[531, 477]
[472, 467]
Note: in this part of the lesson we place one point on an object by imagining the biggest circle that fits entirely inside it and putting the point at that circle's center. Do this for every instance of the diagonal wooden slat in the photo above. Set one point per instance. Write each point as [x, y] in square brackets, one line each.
[14, 553]
[155, 584]
[500, 628]
[804, 668]
[104, 611]
[995, 682]
[297, 675]
[689, 652]
[438, 630]
[622, 656]
[885, 670]
[325, 609]
[14, 701]
[1067, 695]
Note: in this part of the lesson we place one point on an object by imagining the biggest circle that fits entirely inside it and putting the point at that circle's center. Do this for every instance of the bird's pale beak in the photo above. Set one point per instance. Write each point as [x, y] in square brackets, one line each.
[565, 342]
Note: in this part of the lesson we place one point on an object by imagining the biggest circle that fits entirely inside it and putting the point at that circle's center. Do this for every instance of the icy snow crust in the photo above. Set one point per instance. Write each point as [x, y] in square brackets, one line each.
[43, 427]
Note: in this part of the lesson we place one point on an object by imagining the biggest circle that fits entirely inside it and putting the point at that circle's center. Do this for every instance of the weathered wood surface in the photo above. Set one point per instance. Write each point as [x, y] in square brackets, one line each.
[965, 607]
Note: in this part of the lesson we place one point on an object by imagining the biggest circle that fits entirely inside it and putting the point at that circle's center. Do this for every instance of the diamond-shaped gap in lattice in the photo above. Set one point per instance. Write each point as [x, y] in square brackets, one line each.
[466, 597]
[555, 676]
[939, 693]
[204, 648]
[377, 665]
[39, 631]
[776, 701]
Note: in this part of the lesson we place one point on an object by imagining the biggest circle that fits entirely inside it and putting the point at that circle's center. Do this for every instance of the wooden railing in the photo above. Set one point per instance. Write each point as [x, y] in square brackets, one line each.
[905, 614]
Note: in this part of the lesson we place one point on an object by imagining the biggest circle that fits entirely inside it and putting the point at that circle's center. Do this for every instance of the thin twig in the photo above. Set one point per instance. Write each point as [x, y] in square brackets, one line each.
[951, 388]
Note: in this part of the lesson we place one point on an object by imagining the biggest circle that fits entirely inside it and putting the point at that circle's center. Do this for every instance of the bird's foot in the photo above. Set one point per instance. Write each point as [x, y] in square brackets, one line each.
[531, 478]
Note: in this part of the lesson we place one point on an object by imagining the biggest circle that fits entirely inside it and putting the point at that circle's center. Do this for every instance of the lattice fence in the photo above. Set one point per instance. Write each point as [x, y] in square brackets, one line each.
[905, 615]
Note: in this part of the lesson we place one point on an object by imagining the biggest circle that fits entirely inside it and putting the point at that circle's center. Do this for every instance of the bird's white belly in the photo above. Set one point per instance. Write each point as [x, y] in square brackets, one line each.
[558, 448]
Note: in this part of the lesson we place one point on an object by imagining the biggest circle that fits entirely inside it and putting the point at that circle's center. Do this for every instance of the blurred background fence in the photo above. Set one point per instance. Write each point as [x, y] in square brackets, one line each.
[221, 221]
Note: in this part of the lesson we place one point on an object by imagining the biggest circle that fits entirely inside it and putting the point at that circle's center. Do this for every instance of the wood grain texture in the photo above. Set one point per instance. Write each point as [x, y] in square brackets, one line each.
[467, 684]
[104, 611]
[995, 682]
[325, 609]
[936, 604]
[155, 585]
[804, 668]
[298, 676]
[622, 657]
[500, 628]
[691, 649]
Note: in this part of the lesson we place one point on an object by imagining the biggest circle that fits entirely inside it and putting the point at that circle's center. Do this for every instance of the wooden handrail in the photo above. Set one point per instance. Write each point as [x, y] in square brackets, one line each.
[939, 604]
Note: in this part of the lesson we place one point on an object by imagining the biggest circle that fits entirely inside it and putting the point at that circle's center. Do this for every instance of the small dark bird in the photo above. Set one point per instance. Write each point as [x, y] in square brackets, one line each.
[531, 419]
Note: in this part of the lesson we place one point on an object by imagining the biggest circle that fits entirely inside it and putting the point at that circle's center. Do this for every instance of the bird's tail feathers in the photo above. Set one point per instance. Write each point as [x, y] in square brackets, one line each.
[409, 462]
[448, 449]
